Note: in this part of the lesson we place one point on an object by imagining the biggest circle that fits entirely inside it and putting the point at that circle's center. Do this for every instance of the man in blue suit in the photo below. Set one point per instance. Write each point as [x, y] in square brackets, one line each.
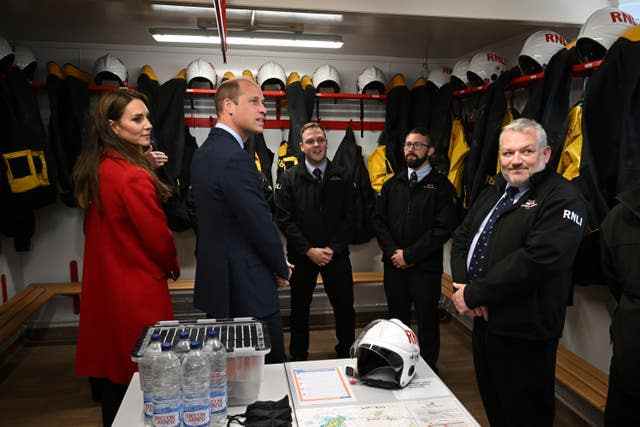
[240, 259]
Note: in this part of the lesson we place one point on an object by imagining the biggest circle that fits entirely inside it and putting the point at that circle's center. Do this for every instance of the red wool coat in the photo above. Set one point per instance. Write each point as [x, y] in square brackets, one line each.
[128, 254]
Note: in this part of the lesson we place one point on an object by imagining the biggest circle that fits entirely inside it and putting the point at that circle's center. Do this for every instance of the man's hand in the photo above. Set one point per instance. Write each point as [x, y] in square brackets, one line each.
[398, 259]
[481, 311]
[320, 256]
[290, 268]
[458, 299]
[461, 305]
[156, 158]
[282, 282]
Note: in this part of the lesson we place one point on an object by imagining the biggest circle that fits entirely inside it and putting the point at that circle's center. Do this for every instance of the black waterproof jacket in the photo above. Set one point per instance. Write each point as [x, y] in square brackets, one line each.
[418, 220]
[24, 153]
[396, 123]
[530, 257]
[612, 119]
[548, 102]
[314, 214]
[349, 158]
[481, 164]
[620, 249]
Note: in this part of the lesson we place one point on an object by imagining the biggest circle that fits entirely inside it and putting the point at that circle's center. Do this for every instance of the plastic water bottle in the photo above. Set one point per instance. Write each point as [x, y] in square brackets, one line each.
[183, 345]
[145, 366]
[167, 404]
[218, 383]
[196, 371]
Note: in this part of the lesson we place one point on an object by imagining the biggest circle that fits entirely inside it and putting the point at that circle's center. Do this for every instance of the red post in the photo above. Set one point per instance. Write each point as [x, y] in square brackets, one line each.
[5, 294]
[73, 276]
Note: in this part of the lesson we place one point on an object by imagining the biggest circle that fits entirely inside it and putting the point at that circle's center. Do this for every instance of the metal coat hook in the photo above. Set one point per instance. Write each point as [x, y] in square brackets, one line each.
[362, 118]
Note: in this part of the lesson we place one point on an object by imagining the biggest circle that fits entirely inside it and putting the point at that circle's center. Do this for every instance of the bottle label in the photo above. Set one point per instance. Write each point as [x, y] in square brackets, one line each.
[196, 416]
[218, 400]
[148, 406]
[167, 417]
[170, 419]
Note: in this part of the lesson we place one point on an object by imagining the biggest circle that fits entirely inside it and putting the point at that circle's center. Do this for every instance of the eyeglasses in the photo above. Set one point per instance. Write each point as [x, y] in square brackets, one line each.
[319, 141]
[414, 145]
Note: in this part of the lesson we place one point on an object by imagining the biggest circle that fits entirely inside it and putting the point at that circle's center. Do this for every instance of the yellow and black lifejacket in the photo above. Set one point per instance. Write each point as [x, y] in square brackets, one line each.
[458, 151]
[380, 169]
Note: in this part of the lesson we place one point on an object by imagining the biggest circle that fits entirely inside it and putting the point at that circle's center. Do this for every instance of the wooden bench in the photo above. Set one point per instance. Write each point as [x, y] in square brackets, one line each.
[572, 371]
[359, 278]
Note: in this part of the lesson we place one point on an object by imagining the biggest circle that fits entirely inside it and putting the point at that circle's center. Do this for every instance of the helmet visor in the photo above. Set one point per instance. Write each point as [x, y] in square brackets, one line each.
[379, 366]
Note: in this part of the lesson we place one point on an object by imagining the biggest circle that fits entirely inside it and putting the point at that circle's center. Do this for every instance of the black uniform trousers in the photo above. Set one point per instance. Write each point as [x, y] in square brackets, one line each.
[516, 377]
[274, 325]
[423, 289]
[622, 404]
[338, 284]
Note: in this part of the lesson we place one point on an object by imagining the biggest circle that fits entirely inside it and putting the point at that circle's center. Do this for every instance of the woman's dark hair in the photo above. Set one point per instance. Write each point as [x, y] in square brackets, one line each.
[101, 139]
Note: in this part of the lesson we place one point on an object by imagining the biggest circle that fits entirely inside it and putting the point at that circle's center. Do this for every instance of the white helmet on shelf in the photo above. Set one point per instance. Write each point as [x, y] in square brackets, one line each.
[387, 353]
[371, 79]
[600, 31]
[201, 73]
[24, 57]
[538, 49]
[6, 52]
[439, 76]
[459, 73]
[326, 79]
[485, 67]
[271, 76]
[109, 67]
[26, 60]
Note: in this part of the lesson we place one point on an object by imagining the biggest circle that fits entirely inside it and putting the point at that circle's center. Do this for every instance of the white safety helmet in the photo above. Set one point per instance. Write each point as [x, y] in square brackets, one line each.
[26, 60]
[439, 76]
[485, 67]
[601, 30]
[387, 353]
[201, 73]
[326, 79]
[6, 52]
[538, 50]
[371, 79]
[459, 74]
[24, 57]
[271, 76]
[109, 67]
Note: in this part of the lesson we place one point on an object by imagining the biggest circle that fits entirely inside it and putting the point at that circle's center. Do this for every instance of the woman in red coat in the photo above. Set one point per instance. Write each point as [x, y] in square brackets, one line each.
[129, 251]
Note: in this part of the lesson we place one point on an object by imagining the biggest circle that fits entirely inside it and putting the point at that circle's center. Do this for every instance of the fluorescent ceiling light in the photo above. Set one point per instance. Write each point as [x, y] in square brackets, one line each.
[167, 6]
[248, 39]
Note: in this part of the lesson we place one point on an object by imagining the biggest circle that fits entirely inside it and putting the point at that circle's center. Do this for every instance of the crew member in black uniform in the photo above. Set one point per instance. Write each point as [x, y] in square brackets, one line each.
[415, 215]
[620, 249]
[511, 262]
[313, 210]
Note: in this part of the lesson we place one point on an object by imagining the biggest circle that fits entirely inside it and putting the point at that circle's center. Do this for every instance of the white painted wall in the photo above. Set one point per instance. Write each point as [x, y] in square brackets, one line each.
[552, 11]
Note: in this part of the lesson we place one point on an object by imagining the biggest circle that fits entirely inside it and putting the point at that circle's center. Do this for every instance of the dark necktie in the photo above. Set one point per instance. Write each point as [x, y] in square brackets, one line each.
[413, 179]
[478, 259]
[318, 174]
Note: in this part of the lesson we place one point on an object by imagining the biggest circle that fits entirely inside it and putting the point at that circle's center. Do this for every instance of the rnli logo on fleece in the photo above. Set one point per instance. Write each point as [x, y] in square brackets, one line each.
[572, 216]
[529, 204]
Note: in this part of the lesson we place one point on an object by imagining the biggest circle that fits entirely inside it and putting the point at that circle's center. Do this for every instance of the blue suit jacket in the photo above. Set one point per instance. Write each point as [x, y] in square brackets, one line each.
[238, 249]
